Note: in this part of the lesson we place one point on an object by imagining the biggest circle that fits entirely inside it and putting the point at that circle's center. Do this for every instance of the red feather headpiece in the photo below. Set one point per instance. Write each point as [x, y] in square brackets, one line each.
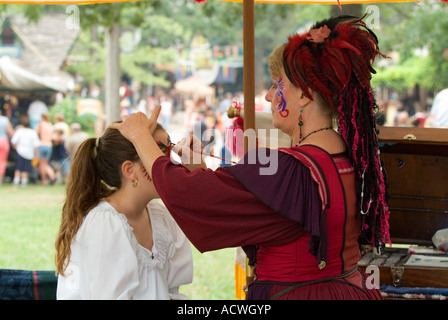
[325, 58]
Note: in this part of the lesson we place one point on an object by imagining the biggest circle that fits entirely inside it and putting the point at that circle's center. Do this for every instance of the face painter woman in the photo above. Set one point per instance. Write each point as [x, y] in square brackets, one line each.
[300, 226]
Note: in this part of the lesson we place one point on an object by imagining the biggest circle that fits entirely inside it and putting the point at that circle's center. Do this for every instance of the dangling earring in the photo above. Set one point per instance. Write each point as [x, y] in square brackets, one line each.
[134, 183]
[300, 125]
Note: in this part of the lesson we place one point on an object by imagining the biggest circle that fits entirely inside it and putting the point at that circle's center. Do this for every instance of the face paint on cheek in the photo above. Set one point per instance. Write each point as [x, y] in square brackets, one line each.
[280, 97]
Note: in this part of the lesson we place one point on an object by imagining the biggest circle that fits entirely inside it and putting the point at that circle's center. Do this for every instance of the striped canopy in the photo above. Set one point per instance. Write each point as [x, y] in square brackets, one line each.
[332, 2]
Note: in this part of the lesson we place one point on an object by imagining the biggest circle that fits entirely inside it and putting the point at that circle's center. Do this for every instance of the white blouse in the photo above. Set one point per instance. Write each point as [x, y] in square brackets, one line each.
[106, 261]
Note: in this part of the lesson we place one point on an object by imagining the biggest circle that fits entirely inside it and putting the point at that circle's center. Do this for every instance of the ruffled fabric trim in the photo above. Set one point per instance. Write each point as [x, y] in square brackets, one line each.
[161, 237]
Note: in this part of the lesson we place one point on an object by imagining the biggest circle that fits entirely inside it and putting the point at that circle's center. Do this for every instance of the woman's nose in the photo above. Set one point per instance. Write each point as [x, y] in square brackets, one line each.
[269, 95]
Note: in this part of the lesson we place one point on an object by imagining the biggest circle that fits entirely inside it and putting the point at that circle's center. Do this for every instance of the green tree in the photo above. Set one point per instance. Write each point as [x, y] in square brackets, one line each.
[32, 12]
[412, 29]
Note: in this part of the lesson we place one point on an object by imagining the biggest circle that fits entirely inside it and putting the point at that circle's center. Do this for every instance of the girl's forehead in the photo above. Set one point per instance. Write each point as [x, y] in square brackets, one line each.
[161, 135]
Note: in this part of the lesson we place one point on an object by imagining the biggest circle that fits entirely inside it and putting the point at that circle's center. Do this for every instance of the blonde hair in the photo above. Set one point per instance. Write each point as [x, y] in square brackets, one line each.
[275, 60]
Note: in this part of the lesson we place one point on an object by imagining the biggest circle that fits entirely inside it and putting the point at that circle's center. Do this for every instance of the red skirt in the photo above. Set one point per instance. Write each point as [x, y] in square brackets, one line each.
[338, 289]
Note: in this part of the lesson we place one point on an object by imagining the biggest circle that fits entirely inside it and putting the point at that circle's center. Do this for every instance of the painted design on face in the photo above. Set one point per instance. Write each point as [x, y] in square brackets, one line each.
[280, 97]
[146, 174]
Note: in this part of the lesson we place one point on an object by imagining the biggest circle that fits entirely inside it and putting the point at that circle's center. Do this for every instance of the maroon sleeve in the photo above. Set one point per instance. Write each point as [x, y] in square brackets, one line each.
[215, 211]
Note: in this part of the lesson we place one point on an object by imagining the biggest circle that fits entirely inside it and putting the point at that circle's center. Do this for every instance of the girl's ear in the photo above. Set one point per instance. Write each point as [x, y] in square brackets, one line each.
[128, 170]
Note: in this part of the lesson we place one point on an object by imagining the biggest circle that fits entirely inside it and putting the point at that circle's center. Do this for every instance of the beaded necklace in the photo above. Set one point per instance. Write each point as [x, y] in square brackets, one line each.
[315, 131]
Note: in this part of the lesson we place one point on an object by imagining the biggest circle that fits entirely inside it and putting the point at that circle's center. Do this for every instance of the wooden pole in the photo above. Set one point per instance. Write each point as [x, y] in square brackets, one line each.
[249, 67]
[249, 85]
[113, 74]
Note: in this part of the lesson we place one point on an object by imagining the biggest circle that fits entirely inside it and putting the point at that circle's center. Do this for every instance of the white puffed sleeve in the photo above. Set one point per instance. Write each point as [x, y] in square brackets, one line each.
[109, 268]
[179, 261]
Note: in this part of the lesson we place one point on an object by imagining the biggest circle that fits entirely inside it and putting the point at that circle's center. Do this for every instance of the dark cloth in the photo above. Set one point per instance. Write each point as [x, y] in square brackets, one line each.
[59, 152]
[27, 285]
[23, 165]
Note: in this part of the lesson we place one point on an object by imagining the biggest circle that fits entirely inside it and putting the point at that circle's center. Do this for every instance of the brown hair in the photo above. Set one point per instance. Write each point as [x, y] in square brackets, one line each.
[45, 117]
[95, 173]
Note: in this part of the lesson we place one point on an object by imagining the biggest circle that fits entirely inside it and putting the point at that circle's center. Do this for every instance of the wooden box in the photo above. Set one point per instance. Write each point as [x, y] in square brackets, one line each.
[416, 161]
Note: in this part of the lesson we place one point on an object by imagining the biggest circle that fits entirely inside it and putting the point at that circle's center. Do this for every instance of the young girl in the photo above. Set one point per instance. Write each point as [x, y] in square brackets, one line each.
[26, 142]
[114, 242]
[45, 129]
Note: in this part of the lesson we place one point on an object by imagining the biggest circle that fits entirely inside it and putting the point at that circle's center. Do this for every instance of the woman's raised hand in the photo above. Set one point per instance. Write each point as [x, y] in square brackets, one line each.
[190, 150]
[137, 124]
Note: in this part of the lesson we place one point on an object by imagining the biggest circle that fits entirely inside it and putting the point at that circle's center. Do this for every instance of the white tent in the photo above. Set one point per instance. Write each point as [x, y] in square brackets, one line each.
[14, 77]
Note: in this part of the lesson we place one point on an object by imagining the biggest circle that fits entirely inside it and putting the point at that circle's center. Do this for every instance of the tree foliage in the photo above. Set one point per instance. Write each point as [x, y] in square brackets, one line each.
[166, 28]
[418, 32]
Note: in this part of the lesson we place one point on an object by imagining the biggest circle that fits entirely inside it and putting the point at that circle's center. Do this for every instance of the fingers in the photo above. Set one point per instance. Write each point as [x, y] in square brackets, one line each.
[155, 113]
[190, 142]
[196, 143]
[182, 147]
[189, 149]
[115, 125]
[134, 126]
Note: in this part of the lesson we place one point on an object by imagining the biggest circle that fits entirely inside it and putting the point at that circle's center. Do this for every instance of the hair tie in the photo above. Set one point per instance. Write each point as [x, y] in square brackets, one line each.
[108, 186]
[95, 149]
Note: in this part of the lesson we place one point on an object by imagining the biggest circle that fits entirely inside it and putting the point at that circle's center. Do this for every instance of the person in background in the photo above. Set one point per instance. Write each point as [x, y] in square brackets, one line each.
[438, 116]
[26, 142]
[115, 241]
[167, 110]
[35, 111]
[59, 158]
[45, 131]
[60, 124]
[6, 132]
[75, 139]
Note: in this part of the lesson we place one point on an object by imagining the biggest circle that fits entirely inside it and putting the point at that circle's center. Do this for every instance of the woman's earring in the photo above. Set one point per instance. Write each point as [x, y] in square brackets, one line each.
[134, 183]
[300, 125]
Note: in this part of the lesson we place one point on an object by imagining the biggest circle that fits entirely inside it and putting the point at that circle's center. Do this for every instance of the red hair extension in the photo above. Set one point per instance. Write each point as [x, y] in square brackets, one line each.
[354, 119]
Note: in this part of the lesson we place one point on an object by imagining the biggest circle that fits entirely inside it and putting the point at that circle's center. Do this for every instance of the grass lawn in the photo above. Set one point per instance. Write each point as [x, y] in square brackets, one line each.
[29, 221]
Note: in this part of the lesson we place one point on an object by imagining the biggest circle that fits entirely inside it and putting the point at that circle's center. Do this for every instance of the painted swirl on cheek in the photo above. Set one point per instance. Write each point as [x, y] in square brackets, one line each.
[280, 97]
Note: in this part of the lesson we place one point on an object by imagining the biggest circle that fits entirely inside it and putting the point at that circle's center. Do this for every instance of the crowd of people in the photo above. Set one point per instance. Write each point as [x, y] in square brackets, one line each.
[40, 150]
[51, 161]
[409, 111]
